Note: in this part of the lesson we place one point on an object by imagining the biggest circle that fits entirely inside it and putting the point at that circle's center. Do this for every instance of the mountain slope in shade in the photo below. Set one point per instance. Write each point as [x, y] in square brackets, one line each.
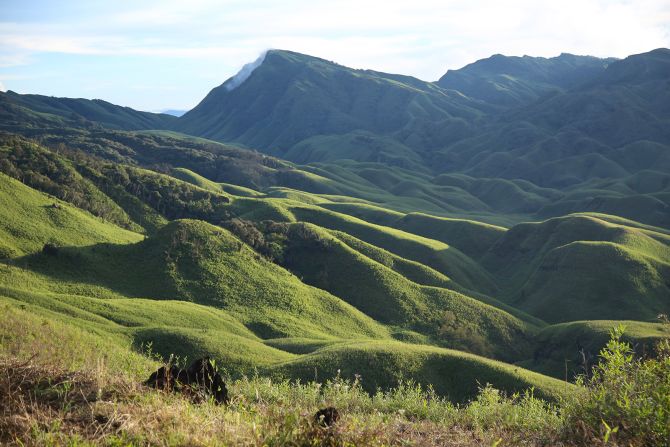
[79, 112]
[515, 81]
[612, 127]
[291, 97]
[554, 122]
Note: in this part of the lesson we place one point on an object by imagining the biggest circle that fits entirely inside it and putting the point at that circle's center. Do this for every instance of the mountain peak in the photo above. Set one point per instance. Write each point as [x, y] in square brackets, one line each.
[278, 59]
[650, 66]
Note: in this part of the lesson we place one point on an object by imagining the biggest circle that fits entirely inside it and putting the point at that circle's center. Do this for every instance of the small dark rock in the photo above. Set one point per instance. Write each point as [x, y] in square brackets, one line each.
[166, 378]
[326, 417]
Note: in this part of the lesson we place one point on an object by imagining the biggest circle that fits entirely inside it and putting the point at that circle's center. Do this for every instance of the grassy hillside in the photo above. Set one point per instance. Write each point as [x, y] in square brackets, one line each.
[555, 270]
[31, 219]
[452, 373]
[311, 96]
[450, 252]
[70, 111]
[567, 349]
[189, 287]
[374, 310]
[446, 316]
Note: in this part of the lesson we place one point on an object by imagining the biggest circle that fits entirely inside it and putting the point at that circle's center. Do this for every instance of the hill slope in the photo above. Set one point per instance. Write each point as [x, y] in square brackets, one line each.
[291, 97]
[86, 112]
[192, 285]
[517, 81]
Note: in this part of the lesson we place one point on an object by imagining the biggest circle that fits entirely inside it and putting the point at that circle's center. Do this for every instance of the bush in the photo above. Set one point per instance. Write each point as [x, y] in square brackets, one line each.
[627, 400]
[50, 249]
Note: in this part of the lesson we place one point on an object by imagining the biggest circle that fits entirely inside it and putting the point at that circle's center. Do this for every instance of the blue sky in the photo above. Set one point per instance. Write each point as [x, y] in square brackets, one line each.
[168, 54]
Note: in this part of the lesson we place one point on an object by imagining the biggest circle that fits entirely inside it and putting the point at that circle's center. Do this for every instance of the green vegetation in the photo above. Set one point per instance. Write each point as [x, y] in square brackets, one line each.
[357, 271]
[30, 220]
[628, 399]
[71, 386]
[505, 135]
[77, 112]
[532, 262]
[569, 349]
[445, 263]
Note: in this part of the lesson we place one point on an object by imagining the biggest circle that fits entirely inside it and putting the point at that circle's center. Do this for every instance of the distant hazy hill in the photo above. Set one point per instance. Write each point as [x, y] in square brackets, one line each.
[173, 112]
[613, 126]
[60, 111]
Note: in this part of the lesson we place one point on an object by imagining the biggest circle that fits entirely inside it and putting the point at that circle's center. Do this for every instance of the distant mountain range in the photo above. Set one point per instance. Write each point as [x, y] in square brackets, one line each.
[505, 117]
[564, 134]
[173, 112]
[311, 221]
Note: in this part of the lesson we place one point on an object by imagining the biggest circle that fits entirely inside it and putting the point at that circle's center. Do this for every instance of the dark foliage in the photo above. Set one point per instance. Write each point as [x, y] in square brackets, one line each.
[50, 249]
[200, 379]
[327, 417]
[267, 237]
[51, 172]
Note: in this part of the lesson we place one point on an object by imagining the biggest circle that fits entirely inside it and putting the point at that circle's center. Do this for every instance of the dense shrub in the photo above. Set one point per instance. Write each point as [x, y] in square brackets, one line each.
[266, 237]
[53, 174]
[627, 399]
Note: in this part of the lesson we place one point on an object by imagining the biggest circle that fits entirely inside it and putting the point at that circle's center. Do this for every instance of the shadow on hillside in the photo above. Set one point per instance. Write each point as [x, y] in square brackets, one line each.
[132, 270]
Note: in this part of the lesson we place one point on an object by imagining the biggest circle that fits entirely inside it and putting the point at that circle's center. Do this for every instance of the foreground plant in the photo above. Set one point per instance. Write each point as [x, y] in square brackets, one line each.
[48, 406]
[627, 399]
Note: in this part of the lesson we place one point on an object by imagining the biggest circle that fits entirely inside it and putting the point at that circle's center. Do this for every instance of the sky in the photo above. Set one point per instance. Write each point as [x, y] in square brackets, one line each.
[155, 55]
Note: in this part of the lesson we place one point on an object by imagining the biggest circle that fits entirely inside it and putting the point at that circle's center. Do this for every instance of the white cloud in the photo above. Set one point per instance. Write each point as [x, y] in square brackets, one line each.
[2, 87]
[244, 73]
[422, 38]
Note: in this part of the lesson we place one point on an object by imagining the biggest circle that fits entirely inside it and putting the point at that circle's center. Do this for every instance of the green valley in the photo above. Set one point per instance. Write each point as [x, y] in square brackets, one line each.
[320, 226]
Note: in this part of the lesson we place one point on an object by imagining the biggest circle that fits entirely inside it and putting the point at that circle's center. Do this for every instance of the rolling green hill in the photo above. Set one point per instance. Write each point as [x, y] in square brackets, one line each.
[192, 288]
[312, 221]
[547, 268]
[328, 282]
[567, 349]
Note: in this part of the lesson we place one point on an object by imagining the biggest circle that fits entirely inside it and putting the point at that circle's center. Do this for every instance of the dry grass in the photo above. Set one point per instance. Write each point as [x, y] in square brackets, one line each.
[50, 406]
[64, 386]
[60, 385]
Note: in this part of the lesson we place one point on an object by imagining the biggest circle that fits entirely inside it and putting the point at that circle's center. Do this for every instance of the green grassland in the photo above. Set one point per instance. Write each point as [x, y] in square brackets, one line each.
[189, 289]
[415, 241]
[316, 283]
[434, 244]
[566, 349]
